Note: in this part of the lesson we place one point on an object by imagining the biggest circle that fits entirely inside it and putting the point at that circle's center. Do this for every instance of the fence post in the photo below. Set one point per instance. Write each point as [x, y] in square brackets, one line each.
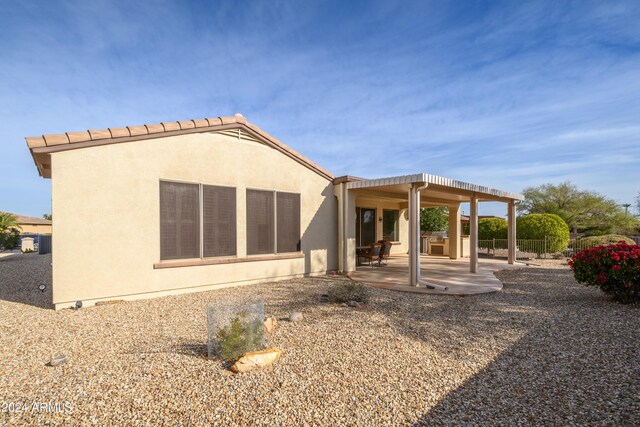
[545, 247]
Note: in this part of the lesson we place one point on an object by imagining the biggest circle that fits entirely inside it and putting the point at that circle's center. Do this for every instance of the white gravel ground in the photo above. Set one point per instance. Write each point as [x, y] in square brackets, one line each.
[544, 351]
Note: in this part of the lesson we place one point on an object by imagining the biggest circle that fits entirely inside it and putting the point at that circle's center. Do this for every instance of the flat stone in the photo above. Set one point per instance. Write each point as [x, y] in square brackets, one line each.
[352, 303]
[256, 359]
[296, 316]
[270, 324]
[59, 359]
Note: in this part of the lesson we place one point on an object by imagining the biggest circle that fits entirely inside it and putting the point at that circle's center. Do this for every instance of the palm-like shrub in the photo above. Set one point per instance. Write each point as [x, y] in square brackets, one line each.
[8, 221]
[9, 231]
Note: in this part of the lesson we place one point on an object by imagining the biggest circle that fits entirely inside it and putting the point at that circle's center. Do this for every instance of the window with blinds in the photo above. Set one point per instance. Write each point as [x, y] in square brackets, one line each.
[260, 222]
[288, 222]
[218, 221]
[179, 220]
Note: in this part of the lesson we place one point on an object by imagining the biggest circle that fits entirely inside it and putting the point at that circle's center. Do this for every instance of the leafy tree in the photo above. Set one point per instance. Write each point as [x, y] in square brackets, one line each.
[581, 210]
[544, 226]
[492, 228]
[9, 231]
[434, 219]
[47, 216]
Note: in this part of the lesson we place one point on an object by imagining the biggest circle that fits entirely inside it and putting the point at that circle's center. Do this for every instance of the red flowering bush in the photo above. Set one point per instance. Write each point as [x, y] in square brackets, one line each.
[613, 268]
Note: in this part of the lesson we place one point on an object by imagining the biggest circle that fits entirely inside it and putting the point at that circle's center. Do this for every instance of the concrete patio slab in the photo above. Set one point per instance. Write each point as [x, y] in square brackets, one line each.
[454, 274]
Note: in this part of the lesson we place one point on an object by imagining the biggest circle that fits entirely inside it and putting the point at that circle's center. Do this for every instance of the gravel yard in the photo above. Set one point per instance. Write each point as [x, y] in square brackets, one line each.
[544, 351]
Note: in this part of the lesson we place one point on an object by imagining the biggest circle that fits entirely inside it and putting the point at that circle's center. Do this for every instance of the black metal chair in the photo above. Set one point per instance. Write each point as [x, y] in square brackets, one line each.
[384, 253]
[373, 253]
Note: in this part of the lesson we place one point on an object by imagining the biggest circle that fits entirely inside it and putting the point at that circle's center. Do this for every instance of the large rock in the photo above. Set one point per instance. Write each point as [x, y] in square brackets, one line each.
[296, 316]
[256, 359]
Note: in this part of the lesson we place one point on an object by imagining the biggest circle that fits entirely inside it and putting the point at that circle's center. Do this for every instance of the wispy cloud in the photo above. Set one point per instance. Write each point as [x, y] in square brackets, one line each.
[504, 94]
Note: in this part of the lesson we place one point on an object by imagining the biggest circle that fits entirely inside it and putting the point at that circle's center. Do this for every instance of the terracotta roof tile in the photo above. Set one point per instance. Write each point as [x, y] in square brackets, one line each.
[78, 136]
[227, 120]
[137, 130]
[169, 126]
[240, 118]
[156, 128]
[56, 139]
[186, 124]
[40, 153]
[119, 132]
[35, 141]
[99, 134]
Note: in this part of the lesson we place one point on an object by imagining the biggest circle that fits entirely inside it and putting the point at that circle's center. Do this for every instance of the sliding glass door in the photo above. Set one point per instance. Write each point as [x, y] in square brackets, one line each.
[365, 226]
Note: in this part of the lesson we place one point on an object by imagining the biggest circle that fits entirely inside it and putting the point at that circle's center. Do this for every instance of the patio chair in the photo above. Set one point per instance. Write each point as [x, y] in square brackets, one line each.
[384, 253]
[373, 253]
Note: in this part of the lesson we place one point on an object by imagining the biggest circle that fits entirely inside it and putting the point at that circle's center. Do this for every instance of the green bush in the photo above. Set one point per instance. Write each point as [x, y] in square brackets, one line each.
[9, 239]
[240, 337]
[541, 226]
[492, 228]
[607, 239]
[615, 269]
[349, 291]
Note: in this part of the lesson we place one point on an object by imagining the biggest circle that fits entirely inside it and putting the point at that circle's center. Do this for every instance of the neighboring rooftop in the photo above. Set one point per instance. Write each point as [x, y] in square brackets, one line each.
[42, 146]
[23, 219]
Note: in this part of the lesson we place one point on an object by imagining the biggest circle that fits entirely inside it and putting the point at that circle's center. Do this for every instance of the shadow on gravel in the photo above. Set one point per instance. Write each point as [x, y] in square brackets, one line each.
[574, 363]
[20, 276]
[554, 375]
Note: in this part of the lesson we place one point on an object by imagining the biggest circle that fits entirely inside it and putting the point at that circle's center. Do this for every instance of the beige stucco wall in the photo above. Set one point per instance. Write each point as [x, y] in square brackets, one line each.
[35, 228]
[106, 206]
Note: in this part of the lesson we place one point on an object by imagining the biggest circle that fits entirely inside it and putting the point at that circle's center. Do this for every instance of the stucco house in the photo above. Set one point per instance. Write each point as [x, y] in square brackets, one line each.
[184, 206]
[32, 225]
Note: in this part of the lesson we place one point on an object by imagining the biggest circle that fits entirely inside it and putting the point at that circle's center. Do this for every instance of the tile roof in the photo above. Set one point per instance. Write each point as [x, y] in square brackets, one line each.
[42, 146]
[22, 219]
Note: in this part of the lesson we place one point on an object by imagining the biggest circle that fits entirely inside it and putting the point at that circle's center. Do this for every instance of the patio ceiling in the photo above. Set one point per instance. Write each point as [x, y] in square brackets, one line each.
[439, 191]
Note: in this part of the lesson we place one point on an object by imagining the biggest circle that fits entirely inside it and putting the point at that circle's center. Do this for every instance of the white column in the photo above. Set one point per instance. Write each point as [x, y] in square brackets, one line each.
[416, 230]
[473, 235]
[412, 278]
[511, 215]
[454, 232]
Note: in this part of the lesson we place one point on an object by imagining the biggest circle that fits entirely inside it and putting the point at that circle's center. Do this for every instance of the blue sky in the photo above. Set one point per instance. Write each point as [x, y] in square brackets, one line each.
[504, 94]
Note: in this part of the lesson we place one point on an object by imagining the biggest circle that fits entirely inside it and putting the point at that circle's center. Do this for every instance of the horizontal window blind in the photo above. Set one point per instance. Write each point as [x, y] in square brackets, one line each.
[260, 222]
[218, 221]
[288, 222]
[179, 220]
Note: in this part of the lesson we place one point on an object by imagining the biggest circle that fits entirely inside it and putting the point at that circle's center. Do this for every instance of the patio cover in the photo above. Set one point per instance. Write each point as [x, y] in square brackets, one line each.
[420, 190]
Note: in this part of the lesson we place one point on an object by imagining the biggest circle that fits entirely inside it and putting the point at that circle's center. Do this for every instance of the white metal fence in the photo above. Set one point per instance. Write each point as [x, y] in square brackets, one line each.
[529, 248]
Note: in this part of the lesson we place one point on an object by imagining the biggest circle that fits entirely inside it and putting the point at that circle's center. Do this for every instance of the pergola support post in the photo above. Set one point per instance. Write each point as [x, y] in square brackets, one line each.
[511, 242]
[473, 235]
[414, 232]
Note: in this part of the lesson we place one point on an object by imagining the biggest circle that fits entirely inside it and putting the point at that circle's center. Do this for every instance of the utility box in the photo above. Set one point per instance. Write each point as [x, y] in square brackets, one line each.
[465, 247]
[27, 245]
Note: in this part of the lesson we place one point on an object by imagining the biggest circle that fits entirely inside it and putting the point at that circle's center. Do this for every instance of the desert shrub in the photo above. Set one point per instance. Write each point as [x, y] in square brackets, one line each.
[541, 226]
[492, 228]
[615, 269]
[349, 291]
[9, 239]
[240, 336]
[606, 239]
